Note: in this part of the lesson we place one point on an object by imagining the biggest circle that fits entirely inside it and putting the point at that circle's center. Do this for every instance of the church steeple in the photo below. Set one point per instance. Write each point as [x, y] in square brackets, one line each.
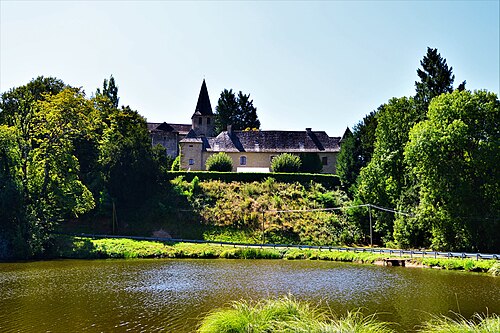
[202, 119]
[203, 107]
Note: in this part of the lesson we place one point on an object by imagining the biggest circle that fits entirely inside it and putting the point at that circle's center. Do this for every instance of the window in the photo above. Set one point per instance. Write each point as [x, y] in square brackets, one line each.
[243, 160]
[208, 121]
[324, 160]
[190, 146]
[200, 121]
[191, 161]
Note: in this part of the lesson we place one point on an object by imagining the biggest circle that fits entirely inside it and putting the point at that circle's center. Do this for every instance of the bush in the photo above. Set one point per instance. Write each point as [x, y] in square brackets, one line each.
[328, 181]
[220, 162]
[311, 163]
[286, 163]
[176, 164]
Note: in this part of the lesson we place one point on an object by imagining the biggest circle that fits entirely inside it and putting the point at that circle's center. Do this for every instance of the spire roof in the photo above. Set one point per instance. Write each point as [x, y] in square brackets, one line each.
[203, 107]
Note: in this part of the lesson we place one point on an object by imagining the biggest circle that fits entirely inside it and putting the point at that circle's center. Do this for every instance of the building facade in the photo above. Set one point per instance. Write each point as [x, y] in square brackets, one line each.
[249, 150]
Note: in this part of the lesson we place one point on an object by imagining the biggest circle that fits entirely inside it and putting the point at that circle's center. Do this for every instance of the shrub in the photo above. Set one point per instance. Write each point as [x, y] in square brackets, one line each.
[286, 163]
[311, 163]
[220, 162]
[176, 164]
[328, 181]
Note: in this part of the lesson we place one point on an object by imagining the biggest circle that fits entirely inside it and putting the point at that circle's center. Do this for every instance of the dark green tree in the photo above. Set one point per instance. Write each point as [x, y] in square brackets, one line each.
[310, 163]
[435, 79]
[110, 90]
[237, 111]
[383, 180]
[356, 150]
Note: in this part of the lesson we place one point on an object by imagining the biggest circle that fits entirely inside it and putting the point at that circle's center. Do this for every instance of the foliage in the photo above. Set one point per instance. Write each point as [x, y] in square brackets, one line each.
[40, 165]
[357, 150]
[285, 315]
[328, 181]
[227, 207]
[459, 264]
[384, 180]
[239, 112]
[176, 164]
[310, 163]
[454, 156]
[62, 155]
[287, 163]
[110, 91]
[219, 162]
[435, 79]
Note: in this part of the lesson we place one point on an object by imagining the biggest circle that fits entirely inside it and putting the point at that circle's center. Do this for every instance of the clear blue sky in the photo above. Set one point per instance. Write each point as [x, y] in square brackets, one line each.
[306, 64]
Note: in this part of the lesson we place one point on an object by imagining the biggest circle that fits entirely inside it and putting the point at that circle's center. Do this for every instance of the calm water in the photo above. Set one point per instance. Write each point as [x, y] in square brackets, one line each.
[172, 295]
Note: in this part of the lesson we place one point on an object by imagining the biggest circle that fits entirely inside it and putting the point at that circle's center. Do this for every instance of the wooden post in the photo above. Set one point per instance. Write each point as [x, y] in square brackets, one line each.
[115, 222]
[371, 229]
[263, 234]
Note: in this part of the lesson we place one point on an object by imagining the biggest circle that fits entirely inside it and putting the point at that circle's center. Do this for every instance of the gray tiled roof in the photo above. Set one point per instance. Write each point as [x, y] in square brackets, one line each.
[180, 128]
[273, 141]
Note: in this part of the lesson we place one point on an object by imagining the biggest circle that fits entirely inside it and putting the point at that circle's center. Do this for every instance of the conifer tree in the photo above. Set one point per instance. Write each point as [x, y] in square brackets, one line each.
[237, 111]
[435, 79]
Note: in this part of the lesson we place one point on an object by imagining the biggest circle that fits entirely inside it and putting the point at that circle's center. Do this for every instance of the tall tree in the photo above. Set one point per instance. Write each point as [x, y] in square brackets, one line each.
[42, 168]
[237, 111]
[110, 90]
[435, 79]
[356, 150]
[225, 109]
[454, 157]
[383, 180]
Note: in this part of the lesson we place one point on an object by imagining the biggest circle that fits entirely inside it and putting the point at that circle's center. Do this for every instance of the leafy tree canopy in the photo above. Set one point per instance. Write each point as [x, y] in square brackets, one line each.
[237, 111]
[454, 157]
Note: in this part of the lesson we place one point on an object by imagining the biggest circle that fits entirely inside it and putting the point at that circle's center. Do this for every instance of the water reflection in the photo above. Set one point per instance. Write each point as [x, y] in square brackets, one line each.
[172, 295]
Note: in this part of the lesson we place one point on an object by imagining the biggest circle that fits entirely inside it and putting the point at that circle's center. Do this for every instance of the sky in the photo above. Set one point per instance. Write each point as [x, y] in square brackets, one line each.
[323, 65]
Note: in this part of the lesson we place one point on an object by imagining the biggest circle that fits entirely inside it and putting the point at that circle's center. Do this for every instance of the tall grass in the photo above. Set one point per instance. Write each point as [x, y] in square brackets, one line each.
[477, 324]
[286, 315]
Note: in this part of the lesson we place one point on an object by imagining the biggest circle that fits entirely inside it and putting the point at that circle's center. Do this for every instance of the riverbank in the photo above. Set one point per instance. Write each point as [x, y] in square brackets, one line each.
[89, 248]
[288, 315]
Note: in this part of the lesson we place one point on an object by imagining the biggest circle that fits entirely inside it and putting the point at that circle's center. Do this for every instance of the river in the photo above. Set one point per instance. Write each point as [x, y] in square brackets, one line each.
[173, 295]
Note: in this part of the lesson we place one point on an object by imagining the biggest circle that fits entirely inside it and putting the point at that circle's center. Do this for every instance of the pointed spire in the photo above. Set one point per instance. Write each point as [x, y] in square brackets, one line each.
[203, 107]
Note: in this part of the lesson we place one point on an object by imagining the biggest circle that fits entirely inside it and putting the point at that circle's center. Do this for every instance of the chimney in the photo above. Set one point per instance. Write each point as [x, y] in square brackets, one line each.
[308, 129]
[229, 129]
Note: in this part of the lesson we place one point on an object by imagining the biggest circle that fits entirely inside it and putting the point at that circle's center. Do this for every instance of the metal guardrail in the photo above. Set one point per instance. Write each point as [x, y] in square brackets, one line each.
[392, 252]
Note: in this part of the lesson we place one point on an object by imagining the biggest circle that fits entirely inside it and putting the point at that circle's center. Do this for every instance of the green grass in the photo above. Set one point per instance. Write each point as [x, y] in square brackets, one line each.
[469, 265]
[285, 315]
[88, 248]
[478, 324]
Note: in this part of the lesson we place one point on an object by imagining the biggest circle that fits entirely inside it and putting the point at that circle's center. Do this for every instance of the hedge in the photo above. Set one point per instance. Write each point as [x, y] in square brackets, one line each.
[329, 181]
